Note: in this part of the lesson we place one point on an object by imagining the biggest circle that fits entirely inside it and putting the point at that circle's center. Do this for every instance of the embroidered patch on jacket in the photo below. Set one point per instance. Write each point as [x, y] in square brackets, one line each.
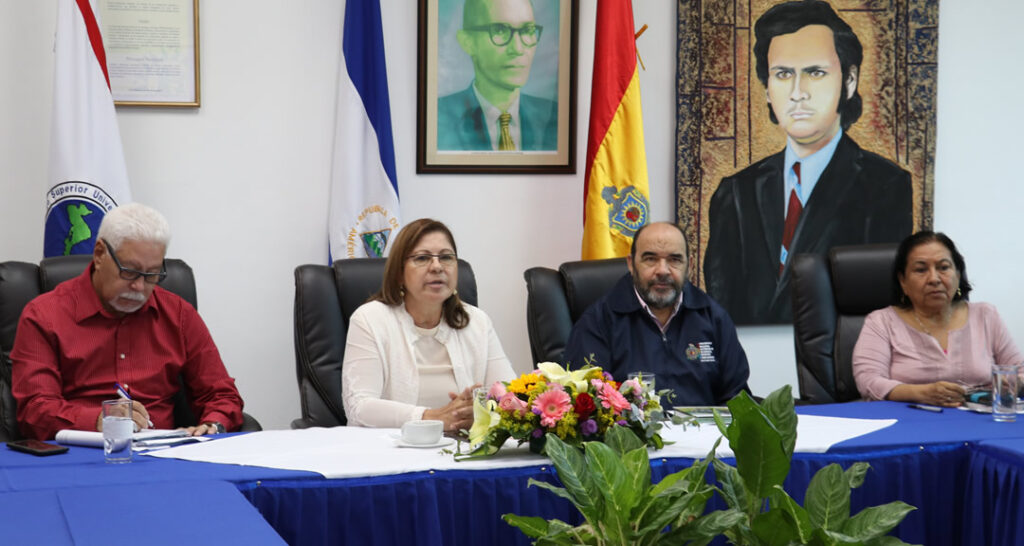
[692, 352]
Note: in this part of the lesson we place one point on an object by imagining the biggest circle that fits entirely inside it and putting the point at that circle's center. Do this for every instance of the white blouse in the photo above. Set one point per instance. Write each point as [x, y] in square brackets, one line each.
[380, 380]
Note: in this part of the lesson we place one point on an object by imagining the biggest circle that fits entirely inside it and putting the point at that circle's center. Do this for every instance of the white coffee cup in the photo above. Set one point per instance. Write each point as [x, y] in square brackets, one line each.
[421, 433]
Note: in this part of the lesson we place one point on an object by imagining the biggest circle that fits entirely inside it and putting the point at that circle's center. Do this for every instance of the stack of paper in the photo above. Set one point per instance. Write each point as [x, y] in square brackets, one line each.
[145, 439]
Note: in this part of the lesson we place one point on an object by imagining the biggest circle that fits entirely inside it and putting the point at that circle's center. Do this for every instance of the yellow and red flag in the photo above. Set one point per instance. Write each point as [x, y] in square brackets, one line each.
[615, 195]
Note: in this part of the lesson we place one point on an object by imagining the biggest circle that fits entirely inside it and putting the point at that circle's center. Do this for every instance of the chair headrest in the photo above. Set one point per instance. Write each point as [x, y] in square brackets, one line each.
[359, 278]
[586, 281]
[55, 270]
[862, 277]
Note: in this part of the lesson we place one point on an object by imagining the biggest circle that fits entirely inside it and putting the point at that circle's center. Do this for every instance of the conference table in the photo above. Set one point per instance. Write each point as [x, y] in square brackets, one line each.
[963, 471]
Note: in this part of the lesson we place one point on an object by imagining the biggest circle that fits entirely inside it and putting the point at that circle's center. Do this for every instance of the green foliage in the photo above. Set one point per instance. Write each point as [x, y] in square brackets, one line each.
[610, 483]
[763, 438]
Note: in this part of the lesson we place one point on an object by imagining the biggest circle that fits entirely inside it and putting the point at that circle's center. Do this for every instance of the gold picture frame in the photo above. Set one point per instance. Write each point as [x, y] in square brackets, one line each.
[451, 134]
[152, 49]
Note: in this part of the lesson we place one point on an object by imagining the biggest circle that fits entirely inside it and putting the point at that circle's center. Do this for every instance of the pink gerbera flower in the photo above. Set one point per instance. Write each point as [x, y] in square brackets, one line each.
[551, 406]
[611, 398]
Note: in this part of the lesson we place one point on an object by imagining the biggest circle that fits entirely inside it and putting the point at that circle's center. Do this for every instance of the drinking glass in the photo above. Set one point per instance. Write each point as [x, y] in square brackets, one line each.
[117, 431]
[1004, 393]
[644, 378]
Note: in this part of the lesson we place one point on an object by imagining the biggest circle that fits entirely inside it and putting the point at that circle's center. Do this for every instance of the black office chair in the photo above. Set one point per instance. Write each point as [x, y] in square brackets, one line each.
[20, 282]
[325, 298]
[555, 300]
[831, 296]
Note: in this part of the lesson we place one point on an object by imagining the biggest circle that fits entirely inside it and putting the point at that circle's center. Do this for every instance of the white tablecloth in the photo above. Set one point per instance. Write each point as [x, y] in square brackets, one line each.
[348, 452]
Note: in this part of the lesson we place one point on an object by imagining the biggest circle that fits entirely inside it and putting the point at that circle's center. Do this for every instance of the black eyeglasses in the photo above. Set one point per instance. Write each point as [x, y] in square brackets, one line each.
[501, 33]
[423, 260]
[132, 274]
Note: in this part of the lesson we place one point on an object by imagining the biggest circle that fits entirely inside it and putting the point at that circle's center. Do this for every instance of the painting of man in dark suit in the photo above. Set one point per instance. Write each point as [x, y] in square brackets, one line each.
[822, 190]
[500, 37]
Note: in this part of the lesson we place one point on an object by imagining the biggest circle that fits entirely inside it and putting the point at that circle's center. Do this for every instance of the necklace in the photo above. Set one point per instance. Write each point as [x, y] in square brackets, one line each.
[920, 323]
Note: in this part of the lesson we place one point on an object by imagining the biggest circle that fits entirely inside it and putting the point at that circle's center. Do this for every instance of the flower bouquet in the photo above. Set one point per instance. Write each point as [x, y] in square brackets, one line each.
[576, 406]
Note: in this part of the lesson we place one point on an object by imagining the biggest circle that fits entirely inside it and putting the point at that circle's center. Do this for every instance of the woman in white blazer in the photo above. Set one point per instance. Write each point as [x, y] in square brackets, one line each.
[415, 351]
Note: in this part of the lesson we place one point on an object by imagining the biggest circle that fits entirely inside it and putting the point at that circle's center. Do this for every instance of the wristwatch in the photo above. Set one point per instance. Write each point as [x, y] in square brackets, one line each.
[220, 428]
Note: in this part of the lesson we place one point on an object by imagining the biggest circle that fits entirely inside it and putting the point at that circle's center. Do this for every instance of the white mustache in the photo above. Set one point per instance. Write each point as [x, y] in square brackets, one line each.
[134, 296]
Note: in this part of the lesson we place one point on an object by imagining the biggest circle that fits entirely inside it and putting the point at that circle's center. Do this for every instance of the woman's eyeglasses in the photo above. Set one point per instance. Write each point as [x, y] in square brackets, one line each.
[423, 260]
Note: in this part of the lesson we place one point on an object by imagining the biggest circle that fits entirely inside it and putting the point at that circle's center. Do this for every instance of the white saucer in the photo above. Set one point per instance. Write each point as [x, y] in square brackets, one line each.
[441, 443]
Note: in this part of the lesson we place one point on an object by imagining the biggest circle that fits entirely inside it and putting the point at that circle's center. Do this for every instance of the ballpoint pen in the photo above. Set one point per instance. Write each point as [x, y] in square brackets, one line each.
[123, 394]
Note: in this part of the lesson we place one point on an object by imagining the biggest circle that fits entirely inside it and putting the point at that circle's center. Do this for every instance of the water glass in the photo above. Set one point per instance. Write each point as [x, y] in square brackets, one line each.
[117, 431]
[1004, 393]
[644, 378]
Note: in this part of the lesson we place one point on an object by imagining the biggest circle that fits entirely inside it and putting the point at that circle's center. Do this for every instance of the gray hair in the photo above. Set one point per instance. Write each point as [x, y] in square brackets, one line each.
[135, 222]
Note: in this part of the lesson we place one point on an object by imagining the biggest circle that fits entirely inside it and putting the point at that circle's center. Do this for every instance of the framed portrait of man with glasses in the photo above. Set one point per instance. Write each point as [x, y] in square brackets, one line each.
[497, 86]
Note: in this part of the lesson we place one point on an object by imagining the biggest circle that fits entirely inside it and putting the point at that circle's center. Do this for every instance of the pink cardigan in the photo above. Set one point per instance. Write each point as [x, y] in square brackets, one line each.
[889, 352]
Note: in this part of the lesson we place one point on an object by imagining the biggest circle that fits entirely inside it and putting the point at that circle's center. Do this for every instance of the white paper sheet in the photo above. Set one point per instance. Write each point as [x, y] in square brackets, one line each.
[348, 452]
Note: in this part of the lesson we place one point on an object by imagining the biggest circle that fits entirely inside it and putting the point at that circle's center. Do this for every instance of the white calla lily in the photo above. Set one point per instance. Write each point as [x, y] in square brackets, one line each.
[558, 374]
[485, 418]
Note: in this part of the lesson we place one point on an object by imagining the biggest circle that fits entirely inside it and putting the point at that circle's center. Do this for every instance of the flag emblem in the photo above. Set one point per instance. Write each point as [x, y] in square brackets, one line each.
[374, 242]
[627, 210]
[371, 232]
[74, 211]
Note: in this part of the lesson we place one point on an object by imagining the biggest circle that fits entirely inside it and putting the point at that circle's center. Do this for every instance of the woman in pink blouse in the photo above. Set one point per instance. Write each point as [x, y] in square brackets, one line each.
[931, 346]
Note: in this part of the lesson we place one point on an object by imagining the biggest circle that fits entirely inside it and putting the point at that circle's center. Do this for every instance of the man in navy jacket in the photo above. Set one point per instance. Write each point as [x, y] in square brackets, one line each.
[653, 320]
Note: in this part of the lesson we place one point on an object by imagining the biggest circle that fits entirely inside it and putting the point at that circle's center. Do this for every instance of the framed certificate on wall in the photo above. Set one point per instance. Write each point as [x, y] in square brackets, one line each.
[152, 49]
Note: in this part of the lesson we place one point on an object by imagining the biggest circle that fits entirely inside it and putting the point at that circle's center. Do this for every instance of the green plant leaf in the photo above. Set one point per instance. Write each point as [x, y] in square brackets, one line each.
[773, 528]
[732, 487]
[561, 492]
[638, 474]
[828, 498]
[778, 406]
[573, 472]
[681, 509]
[609, 475]
[761, 457]
[704, 528]
[876, 521]
[670, 481]
[780, 500]
[561, 533]
[530, 526]
[856, 473]
[885, 541]
[825, 537]
[622, 440]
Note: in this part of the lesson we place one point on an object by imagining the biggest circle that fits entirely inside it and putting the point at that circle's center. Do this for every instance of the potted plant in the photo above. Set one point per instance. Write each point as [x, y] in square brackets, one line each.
[610, 485]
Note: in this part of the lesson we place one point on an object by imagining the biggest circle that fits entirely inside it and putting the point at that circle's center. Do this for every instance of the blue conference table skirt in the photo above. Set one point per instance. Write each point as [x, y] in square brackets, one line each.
[922, 460]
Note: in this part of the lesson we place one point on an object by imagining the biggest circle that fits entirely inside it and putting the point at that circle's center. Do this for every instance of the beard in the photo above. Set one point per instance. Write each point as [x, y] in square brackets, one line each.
[138, 297]
[658, 300]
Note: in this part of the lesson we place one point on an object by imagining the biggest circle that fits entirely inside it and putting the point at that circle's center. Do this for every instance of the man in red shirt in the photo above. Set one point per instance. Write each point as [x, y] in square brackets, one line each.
[113, 324]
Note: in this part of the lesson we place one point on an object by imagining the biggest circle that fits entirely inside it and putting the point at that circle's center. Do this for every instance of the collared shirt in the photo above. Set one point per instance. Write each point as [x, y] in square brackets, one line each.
[675, 309]
[491, 113]
[69, 351]
[698, 356]
[811, 168]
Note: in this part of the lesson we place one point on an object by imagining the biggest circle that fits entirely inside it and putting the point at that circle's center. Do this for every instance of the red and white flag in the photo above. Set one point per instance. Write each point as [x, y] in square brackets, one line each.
[88, 177]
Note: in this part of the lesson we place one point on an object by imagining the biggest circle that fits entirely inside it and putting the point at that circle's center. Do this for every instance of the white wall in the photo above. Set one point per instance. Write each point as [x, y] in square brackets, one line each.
[243, 180]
